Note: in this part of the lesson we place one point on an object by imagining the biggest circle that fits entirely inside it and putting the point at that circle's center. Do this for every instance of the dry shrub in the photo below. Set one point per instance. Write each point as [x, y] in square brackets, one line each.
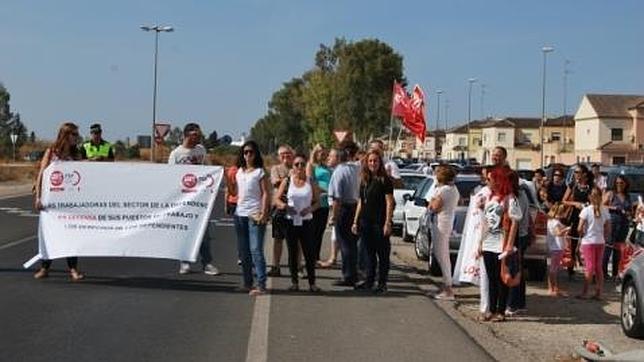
[18, 173]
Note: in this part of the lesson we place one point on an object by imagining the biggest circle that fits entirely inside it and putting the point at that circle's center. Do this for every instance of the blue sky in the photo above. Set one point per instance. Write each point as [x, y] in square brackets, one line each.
[88, 60]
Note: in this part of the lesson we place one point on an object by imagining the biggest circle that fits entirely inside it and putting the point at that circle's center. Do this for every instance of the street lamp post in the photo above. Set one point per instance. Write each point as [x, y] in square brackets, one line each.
[545, 50]
[471, 81]
[156, 29]
[438, 108]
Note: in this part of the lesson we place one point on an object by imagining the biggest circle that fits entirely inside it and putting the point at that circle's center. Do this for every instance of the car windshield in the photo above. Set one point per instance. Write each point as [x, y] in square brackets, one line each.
[410, 182]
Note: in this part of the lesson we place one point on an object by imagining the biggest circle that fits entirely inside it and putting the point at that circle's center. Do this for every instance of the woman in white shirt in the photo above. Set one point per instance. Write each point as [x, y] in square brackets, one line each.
[251, 215]
[501, 214]
[302, 200]
[594, 228]
[443, 204]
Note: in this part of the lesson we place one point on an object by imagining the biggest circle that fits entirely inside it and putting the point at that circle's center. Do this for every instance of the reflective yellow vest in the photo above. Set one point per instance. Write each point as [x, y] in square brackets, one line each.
[92, 151]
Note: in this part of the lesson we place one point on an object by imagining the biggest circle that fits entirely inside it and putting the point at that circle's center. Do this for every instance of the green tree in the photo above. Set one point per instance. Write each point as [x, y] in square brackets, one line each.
[10, 123]
[349, 88]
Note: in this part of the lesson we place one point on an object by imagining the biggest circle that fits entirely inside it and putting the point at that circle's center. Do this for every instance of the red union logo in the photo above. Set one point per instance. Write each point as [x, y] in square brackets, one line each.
[56, 178]
[189, 180]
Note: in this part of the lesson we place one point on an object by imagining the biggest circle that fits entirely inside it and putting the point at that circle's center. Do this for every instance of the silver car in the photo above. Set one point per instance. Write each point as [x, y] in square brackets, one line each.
[632, 316]
[409, 184]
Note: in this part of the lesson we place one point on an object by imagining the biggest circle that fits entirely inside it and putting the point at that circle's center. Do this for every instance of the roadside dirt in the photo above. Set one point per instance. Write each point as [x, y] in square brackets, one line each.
[549, 330]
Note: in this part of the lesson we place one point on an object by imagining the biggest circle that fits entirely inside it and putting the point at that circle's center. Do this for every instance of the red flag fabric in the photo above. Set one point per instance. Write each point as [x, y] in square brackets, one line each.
[401, 103]
[415, 121]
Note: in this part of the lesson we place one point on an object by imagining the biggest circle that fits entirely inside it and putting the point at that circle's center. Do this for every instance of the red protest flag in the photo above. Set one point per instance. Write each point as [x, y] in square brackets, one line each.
[415, 120]
[401, 104]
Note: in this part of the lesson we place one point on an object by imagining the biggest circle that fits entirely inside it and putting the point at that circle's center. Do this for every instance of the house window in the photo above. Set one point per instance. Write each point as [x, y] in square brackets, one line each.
[616, 134]
[528, 137]
[477, 141]
[461, 141]
[556, 136]
[619, 160]
[500, 137]
[485, 138]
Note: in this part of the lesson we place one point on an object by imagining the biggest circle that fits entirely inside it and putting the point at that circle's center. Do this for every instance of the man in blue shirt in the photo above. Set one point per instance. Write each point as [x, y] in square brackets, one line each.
[344, 190]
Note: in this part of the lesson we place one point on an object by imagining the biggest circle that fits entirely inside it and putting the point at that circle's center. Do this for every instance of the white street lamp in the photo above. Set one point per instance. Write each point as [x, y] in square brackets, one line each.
[156, 29]
[471, 81]
[545, 50]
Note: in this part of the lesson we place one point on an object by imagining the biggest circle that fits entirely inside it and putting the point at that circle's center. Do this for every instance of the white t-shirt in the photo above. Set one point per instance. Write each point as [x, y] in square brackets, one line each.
[249, 196]
[449, 194]
[187, 156]
[594, 233]
[493, 214]
[555, 242]
[299, 198]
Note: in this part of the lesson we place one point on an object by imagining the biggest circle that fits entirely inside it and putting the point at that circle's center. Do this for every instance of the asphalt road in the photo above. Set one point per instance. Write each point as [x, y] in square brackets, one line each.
[131, 309]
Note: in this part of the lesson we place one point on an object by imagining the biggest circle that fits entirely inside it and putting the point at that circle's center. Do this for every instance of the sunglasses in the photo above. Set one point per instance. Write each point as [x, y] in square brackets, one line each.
[249, 152]
[299, 164]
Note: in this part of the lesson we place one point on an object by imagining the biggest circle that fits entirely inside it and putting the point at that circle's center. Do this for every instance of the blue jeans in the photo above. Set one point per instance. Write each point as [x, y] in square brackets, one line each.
[250, 246]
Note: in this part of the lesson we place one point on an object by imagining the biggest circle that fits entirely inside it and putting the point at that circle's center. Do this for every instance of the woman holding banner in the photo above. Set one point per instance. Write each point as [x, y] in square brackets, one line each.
[65, 148]
[251, 215]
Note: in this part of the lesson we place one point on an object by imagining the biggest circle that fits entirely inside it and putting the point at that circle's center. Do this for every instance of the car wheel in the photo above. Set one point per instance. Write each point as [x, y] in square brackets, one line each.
[631, 311]
[404, 234]
[420, 245]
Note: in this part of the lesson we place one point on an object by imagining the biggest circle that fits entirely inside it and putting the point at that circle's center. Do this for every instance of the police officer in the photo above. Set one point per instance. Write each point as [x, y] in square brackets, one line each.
[97, 149]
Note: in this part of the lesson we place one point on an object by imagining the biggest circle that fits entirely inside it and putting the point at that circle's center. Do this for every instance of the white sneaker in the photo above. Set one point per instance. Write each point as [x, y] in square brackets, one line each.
[210, 270]
[184, 268]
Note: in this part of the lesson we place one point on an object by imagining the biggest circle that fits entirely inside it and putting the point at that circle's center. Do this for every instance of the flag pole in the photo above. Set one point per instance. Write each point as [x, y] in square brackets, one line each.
[391, 120]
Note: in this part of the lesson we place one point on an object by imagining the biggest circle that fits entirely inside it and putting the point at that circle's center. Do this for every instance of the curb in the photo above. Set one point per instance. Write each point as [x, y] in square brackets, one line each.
[481, 334]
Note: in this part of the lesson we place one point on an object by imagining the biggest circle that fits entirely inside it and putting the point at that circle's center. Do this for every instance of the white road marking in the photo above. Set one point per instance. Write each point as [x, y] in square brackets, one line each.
[18, 242]
[14, 196]
[258, 340]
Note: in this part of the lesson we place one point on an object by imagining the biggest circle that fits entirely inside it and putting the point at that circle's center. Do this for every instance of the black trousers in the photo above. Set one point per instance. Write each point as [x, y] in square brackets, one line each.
[301, 237]
[72, 263]
[320, 219]
[378, 248]
[498, 294]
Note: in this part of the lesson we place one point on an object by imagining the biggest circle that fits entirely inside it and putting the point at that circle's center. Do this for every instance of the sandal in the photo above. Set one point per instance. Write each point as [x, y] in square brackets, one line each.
[41, 273]
[75, 275]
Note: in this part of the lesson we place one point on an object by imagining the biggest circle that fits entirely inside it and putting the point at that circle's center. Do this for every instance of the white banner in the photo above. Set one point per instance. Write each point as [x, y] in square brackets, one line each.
[125, 209]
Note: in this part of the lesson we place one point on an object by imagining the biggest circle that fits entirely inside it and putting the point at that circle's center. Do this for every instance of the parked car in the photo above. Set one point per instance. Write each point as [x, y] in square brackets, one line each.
[414, 167]
[632, 306]
[410, 182]
[536, 254]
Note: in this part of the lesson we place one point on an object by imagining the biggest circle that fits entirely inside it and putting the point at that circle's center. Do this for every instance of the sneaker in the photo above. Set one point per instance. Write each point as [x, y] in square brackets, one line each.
[184, 268]
[210, 269]
[274, 272]
[510, 312]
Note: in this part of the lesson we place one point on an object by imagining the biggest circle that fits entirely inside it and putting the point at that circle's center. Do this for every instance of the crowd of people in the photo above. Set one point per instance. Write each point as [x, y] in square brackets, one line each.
[350, 191]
